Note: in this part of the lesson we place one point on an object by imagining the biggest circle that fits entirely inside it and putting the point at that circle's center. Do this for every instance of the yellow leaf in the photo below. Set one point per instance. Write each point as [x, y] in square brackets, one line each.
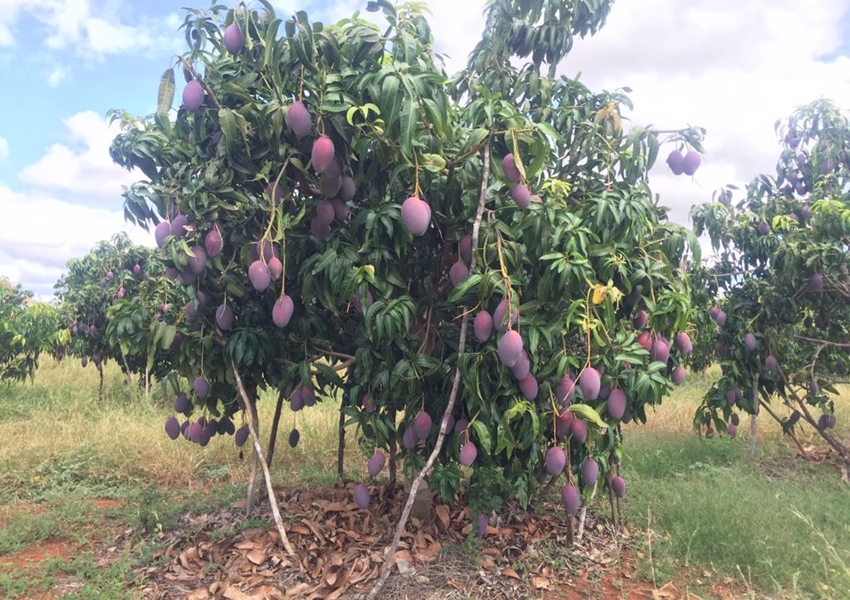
[599, 293]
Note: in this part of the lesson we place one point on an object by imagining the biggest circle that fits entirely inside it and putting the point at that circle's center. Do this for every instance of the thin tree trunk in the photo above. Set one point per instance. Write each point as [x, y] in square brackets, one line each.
[441, 436]
[273, 434]
[100, 388]
[393, 470]
[127, 375]
[613, 507]
[251, 410]
[258, 451]
[754, 417]
[340, 450]
[583, 512]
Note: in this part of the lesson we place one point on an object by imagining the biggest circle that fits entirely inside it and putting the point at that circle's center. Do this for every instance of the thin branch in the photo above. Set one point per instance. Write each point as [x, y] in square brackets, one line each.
[464, 326]
[830, 439]
[258, 449]
[336, 354]
[791, 433]
[819, 341]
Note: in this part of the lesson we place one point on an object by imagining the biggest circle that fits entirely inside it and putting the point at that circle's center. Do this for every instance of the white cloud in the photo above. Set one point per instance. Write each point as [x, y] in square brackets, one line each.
[39, 234]
[86, 28]
[4, 149]
[732, 66]
[82, 166]
[56, 76]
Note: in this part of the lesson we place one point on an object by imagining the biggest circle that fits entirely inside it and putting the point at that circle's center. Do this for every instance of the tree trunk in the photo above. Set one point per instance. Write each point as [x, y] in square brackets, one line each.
[255, 457]
[273, 434]
[392, 484]
[340, 451]
[100, 388]
[754, 418]
[258, 452]
[127, 375]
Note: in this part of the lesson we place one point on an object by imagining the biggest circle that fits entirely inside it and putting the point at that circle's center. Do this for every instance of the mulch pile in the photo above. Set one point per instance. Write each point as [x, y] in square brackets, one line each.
[341, 548]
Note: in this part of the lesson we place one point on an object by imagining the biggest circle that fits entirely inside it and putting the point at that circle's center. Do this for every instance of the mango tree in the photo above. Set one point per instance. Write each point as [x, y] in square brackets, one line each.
[27, 329]
[782, 282]
[478, 260]
[110, 282]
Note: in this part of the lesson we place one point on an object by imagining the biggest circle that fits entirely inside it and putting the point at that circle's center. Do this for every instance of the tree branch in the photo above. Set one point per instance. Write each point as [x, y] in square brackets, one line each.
[820, 341]
[464, 326]
[830, 439]
[766, 406]
[341, 355]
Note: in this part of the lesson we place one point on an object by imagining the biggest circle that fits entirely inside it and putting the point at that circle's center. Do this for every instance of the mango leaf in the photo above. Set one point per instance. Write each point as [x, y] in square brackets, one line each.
[390, 99]
[165, 94]
[408, 128]
[229, 128]
[586, 413]
[483, 435]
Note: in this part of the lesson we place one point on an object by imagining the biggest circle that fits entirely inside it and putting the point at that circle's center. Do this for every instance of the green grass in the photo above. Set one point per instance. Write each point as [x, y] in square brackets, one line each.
[709, 507]
[712, 507]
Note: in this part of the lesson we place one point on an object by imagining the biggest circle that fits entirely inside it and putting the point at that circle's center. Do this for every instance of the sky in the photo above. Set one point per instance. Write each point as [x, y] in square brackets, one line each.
[731, 66]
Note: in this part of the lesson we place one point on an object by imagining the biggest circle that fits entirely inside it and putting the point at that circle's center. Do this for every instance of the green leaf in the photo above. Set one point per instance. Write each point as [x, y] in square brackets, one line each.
[390, 99]
[408, 128]
[165, 94]
[229, 128]
[587, 414]
[483, 435]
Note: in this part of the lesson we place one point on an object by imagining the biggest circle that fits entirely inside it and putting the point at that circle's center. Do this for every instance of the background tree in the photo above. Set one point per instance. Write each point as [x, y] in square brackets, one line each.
[27, 329]
[333, 204]
[781, 274]
[109, 298]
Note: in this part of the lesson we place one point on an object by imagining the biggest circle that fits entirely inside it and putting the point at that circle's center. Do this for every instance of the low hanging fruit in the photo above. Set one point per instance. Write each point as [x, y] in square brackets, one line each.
[590, 383]
[483, 326]
[259, 275]
[322, 154]
[509, 167]
[468, 454]
[510, 348]
[298, 119]
[416, 215]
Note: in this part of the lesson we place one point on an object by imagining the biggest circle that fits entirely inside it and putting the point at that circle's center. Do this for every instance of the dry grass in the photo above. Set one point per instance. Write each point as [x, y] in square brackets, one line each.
[58, 419]
[676, 414]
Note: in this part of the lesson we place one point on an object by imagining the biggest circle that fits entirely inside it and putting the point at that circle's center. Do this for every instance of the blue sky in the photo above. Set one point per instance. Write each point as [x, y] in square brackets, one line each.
[733, 66]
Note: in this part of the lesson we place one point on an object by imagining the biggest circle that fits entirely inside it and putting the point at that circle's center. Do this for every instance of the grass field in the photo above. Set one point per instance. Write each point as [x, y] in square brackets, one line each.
[703, 512]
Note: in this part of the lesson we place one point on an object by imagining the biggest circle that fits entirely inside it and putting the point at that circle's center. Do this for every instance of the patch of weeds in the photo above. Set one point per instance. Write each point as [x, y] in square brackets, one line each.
[16, 584]
[59, 477]
[57, 521]
[99, 581]
[154, 511]
[215, 473]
